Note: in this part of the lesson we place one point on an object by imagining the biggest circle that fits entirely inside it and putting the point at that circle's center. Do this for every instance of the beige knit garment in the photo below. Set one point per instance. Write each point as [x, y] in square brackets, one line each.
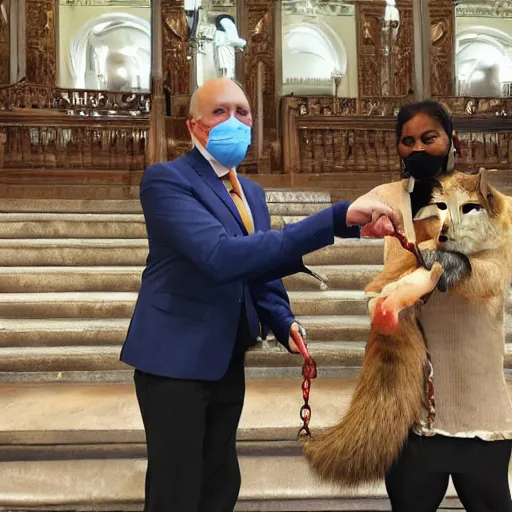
[466, 345]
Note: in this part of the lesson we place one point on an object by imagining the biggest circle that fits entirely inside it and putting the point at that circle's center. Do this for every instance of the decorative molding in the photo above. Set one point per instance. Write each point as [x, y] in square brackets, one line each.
[105, 3]
[175, 62]
[41, 43]
[442, 53]
[318, 8]
[499, 9]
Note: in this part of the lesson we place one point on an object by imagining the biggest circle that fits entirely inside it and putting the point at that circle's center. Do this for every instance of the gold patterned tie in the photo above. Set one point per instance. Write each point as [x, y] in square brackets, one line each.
[235, 191]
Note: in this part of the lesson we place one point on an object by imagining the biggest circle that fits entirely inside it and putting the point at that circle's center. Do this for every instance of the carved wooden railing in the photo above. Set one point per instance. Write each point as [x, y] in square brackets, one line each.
[330, 135]
[317, 142]
[39, 139]
[50, 128]
[76, 101]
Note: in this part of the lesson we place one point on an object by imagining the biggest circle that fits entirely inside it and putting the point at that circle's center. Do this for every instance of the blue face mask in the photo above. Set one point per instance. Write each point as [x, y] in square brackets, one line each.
[228, 142]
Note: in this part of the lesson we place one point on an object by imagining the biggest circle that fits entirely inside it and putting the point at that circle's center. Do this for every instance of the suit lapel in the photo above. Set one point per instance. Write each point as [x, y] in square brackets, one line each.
[205, 170]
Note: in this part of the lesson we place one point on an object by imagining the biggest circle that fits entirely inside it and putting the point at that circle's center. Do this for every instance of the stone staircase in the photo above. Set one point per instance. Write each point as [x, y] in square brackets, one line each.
[71, 436]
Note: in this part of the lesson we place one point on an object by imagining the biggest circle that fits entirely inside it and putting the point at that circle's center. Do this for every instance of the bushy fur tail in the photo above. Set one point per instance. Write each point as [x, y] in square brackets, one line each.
[386, 403]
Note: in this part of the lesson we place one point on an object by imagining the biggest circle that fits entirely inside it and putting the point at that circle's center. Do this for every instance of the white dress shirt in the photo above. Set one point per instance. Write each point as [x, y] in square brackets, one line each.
[221, 171]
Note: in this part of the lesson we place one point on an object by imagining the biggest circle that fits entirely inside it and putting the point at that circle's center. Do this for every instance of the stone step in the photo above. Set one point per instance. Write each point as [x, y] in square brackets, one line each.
[91, 225]
[106, 206]
[56, 332]
[127, 279]
[328, 355]
[275, 478]
[121, 304]
[133, 252]
[333, 359]
[81, 446]
[280, 202]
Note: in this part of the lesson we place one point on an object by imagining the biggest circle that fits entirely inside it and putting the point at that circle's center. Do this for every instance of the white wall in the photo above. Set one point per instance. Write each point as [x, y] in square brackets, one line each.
[71, 18]
[341, 30]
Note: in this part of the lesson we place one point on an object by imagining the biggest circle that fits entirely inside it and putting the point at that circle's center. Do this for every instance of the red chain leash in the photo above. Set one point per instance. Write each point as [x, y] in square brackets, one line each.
[409, 246]
[309, 373]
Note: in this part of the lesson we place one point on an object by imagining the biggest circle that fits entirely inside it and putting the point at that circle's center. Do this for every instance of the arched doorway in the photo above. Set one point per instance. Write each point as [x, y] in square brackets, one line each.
[112, 52]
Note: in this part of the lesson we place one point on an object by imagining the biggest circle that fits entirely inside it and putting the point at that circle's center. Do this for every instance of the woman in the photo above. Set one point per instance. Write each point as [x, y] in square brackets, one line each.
[472, 436]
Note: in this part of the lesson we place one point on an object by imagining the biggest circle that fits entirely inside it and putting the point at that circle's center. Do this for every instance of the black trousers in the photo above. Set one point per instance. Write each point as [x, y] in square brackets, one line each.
[479, 470]
[191, 440]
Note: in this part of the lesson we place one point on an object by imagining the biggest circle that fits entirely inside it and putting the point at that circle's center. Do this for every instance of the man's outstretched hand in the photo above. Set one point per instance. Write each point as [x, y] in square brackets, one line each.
[376, 218]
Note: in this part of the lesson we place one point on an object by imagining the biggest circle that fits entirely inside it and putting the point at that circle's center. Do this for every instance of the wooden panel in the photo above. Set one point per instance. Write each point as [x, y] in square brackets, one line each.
[41, 43]
[175, 66]
[385, 54]
[442, 58]
[259, 74]
[4, 46]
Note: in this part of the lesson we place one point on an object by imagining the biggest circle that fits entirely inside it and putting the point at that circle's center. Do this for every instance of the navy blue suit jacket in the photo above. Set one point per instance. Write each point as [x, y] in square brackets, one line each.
[200, 265]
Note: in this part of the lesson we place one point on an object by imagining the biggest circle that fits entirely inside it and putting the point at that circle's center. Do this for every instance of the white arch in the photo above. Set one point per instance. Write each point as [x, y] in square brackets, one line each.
[312, 50]
[482, 60]
[79, 45]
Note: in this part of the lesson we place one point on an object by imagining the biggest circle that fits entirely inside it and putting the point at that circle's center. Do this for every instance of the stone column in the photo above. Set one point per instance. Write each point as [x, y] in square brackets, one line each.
[422, 49]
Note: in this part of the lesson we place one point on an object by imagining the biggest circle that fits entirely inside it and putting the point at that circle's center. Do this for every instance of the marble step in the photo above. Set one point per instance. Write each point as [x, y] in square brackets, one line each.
[275, 478]
[57, 332]
[91, 225]
[333, 358]
[121, 304]
[100, 332]
[127, 279]
[328, 355]
[133, 252]
[81, 446]
[280, 202]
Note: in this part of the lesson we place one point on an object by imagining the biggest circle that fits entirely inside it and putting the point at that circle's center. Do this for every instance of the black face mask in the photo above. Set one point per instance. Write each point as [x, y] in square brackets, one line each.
[422, 166]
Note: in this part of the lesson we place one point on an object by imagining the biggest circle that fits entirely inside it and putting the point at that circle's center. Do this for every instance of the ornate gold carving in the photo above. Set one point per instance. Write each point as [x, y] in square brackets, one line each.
[385, 50]
[175, 64]
[369, 54]
[4, 44]
[260, 54]
[260, 83]
[442, 22]
[41, 45]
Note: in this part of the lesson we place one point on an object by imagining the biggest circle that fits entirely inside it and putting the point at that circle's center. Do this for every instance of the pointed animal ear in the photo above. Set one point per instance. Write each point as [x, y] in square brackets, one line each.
[484, 181]
[485, 190]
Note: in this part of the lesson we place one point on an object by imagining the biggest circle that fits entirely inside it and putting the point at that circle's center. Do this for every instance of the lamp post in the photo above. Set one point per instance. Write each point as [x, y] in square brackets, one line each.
[337, 77]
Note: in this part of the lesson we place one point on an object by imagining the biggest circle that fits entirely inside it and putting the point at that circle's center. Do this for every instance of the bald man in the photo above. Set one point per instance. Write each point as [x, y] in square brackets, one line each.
[211, 286]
